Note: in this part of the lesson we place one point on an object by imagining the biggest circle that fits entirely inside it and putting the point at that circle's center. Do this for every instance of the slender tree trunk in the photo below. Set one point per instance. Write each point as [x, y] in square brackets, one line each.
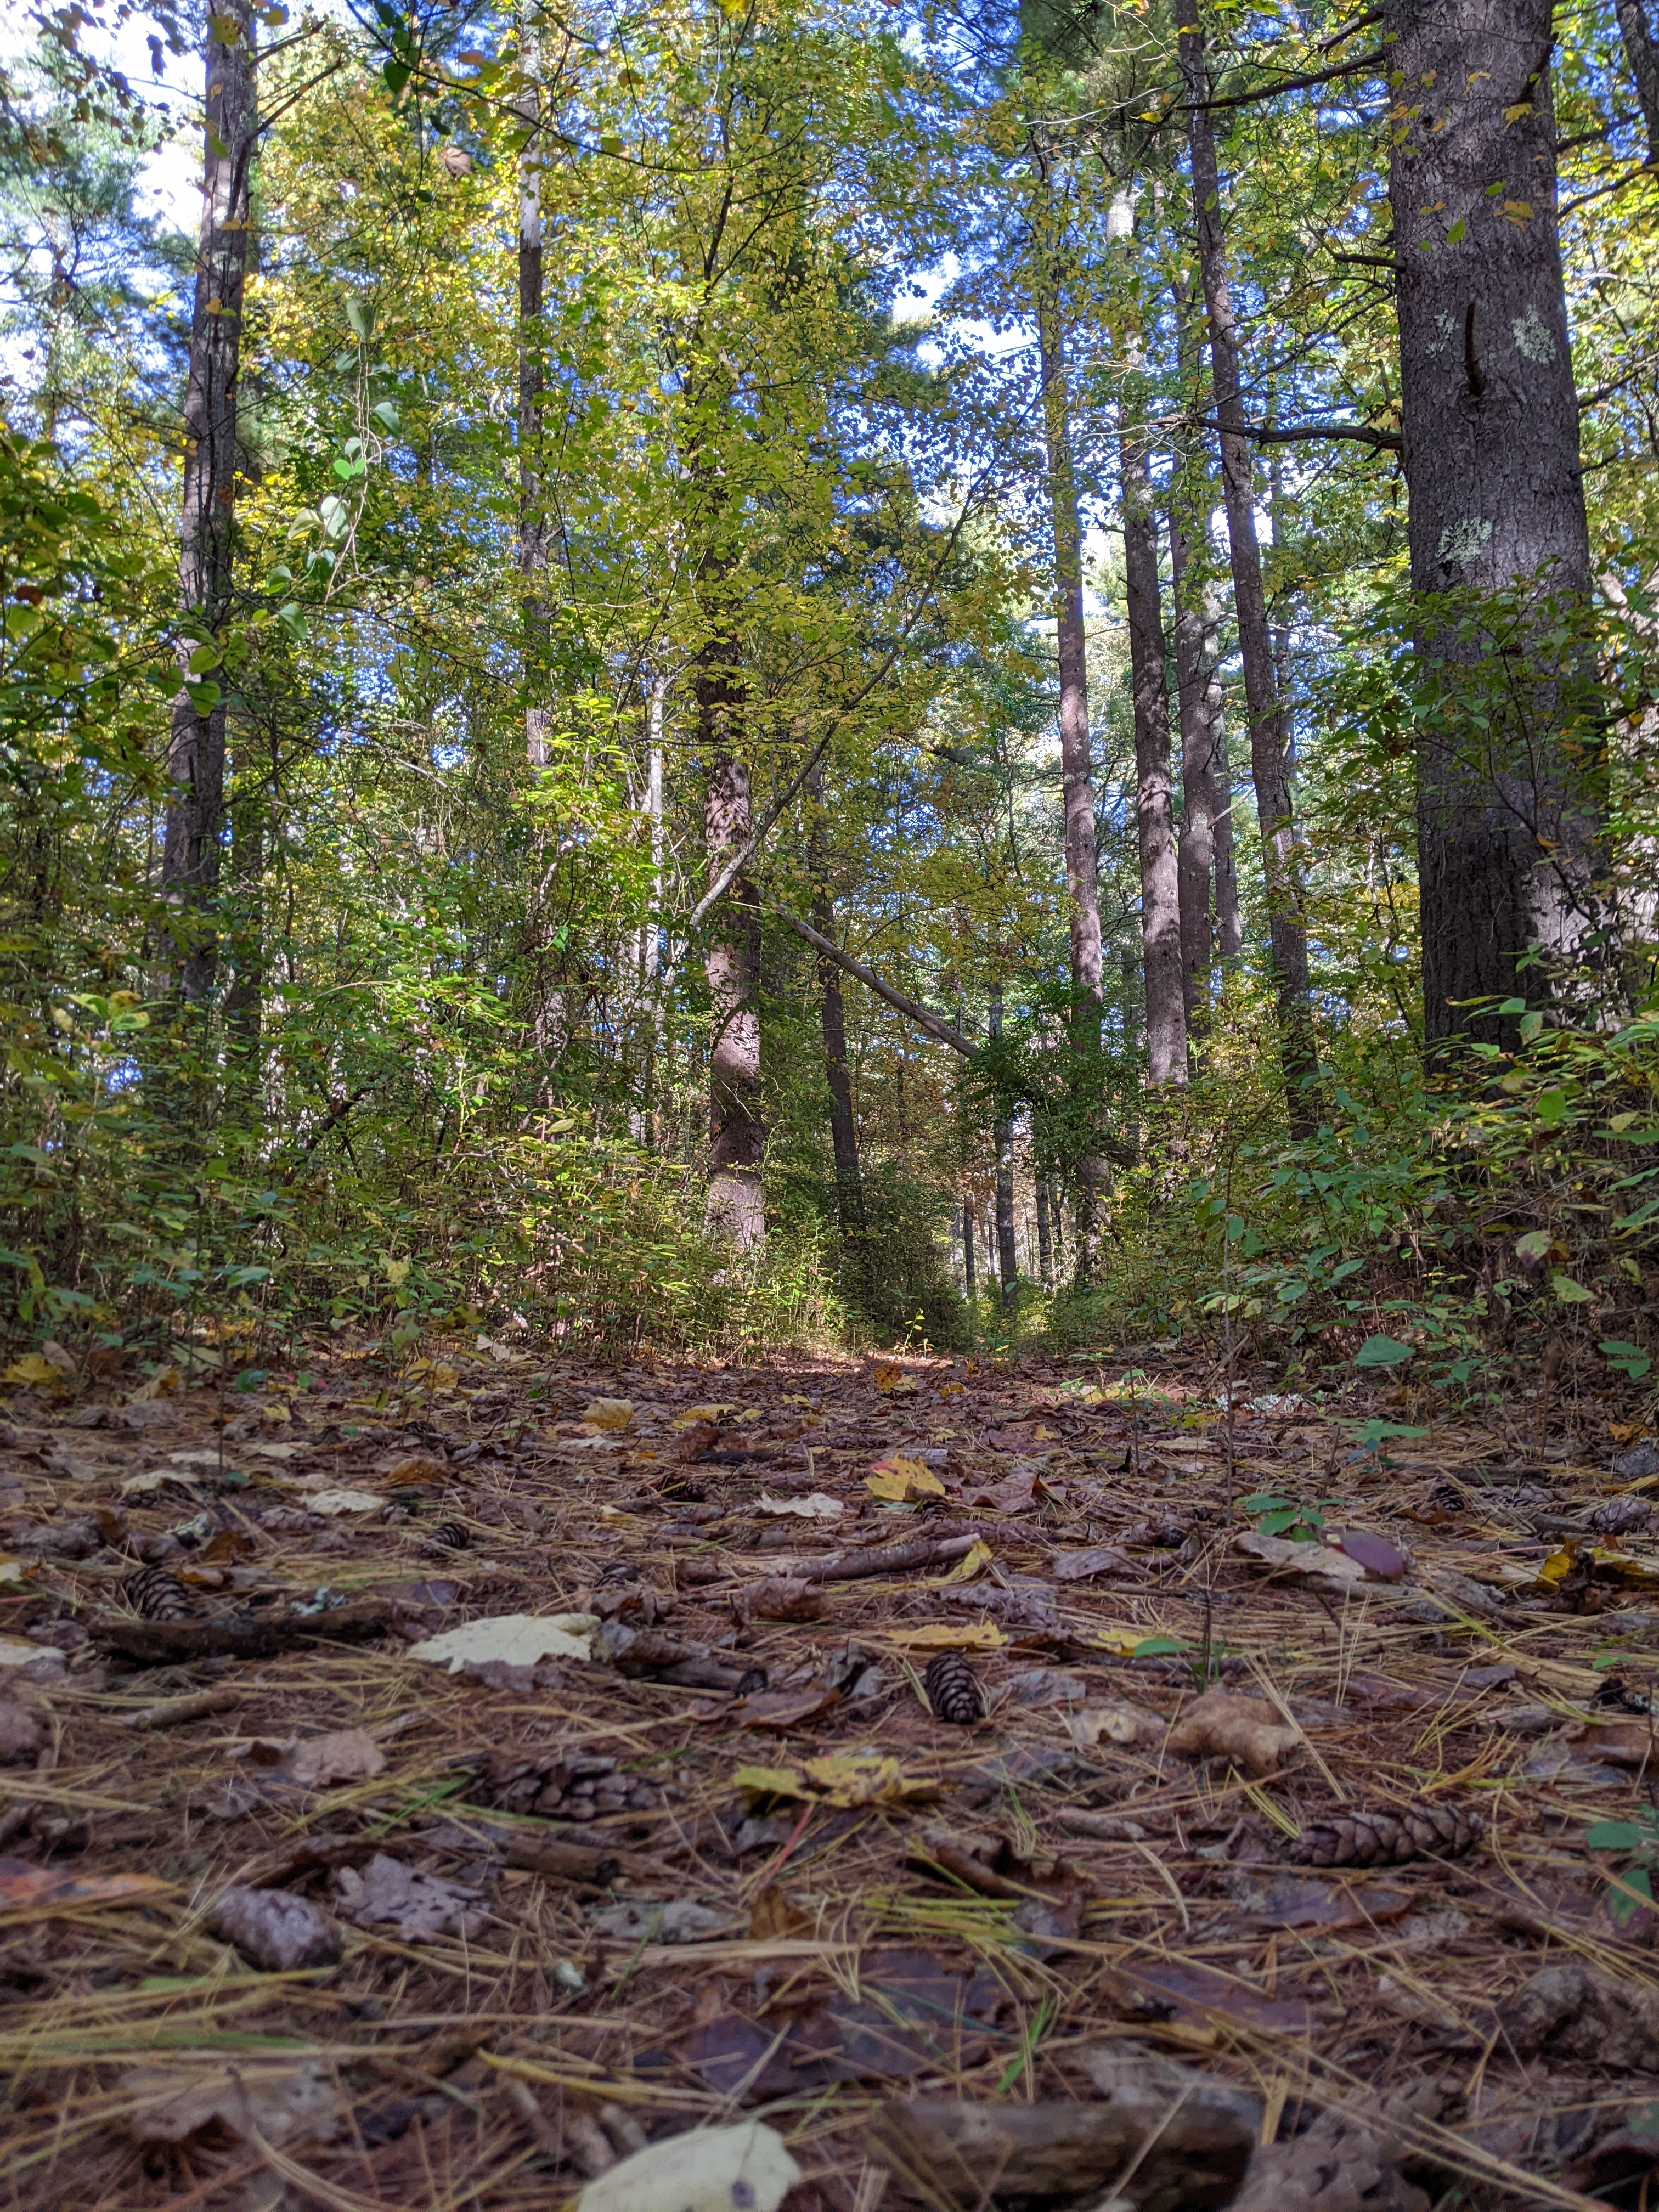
[1160, 892]
[1045, 1239]
[1641, 51]
[1286, 926]
[652, 963]
[736, 1138]
[1510, 793]
[533, 382]
[190, 856]
[1003, 1139]
[1077, 768]
[843, 1123]
[1196, 867]
[244, 1001]
[968, 1275]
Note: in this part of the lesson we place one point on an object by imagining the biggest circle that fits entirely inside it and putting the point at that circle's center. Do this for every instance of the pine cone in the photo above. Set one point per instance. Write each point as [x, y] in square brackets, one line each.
[1621, 1516]
[1434, 1831]
[157, 1594]
[551, 1786]
[451, 1536]
[953, 1690]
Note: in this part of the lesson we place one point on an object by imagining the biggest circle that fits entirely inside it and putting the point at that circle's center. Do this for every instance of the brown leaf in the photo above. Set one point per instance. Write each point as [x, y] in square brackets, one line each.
[1097, 1559]
[1285, 1901]
[1221, 1724]
[774, 1913]
[1381, 1559]
[782, 1597]
[347, 1755]
[780, 1709]
[252, 2098]
[1196, 1993]
[26, 1888]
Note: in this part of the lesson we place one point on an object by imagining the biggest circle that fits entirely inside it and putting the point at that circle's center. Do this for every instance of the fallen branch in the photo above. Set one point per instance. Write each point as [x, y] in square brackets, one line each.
[937, 1027]
[165, 1643]
[886, 1559]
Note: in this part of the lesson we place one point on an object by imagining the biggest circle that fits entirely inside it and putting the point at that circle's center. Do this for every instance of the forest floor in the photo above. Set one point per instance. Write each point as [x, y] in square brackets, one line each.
[706, 1852]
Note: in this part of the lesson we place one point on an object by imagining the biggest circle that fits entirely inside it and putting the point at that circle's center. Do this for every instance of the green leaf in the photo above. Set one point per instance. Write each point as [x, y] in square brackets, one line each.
[1613, 1836]
[359, 313]
[1159, 1647]
[1534, 1245]
[1382, 1352]
[397, 75]
[1458, 233]
[1569, 1293]
[1629, 1358]
[1623, 1905]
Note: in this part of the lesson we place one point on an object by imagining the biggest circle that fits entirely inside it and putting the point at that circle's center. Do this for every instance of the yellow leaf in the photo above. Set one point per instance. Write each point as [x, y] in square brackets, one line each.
[32, 1370]
[444, 1377]
[1518, 211]
[887, 1375]
[610, 1414]
[1121, 1642]
[693, 1414]
[896, 1478]
[770, 1781]
[1558, 1565]
[973, 1562]
[955, 1390]
[952, 1636]
[846, 1779]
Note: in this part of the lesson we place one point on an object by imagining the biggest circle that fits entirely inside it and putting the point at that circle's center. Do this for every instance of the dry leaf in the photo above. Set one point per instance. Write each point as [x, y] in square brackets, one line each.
[780, 1597]
[516, 1639]
[348, 1755]
[18, 1651]
[344, 1501]
[27, 1888]
[1317, 1561]
[897, 1479]
[974, 1561]
[421, 1907]
[1117, 1723]
[277, 1931]
[1221, 1724]
[1098, 1559]
[251, 2098]
[741, 2169]
[818, 1505]
[34, 1372]
[774, 1913]
[952, 1636]
[695, 1416]
[780, 1708]
[611, 1414]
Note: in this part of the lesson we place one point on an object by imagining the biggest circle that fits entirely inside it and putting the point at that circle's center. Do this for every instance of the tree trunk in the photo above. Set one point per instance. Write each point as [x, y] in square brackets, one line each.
[1196, 864]
[736, 1138]
[1002, 1135]
[1076, 767]
[651, 964]
[832, 1015]
[1509, 797]
[1160, 890]
[1286, 926]
[532, 380]
[968, 1274]
[1045, 1240]
[1641, 51]
[190, 856]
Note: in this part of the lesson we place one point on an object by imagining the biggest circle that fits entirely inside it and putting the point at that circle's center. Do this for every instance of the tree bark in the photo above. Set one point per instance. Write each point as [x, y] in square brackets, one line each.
[969, 1277]
[1160, 890]
[1286, 925]
[1076, 767]
[1509, 792]
[736, 1136]
[1002, 1135]
[532, 381]
[832, 1015]
[1196, 864]
[1045, 1239]
[191, 854]
[1641, 51]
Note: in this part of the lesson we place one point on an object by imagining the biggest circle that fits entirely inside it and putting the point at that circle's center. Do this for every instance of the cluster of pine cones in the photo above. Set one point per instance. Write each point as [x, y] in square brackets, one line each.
[553, 1788]
[1417, 1831]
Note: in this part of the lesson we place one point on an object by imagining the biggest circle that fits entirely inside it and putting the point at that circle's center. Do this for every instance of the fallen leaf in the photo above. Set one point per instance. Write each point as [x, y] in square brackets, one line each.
[516, 1639]
[740, 2169]
[780, 1708]
[18, 1651]
[816, 1505]
[34, 1372]
[1319, 1562]
[1380, 1558]
[344, 1501]
[896, 1478]
[1117, 1723]
[848, 1778]
[422, 1906]
[681, 1920]
[348, 1755]
[27, 1888]
[891, 1379]
[1621, 1743]
[780, 1597]
[1287, 1901]
[952, 1636]
[1222, 1724]
[276, 1930]
[695, 1416]
[1097, 1559]
[1015, 1493]
[974, 1561]
[1195, 1992]
[253, 2100]
[611, 1414]
[140, 1486]
[276, 1451]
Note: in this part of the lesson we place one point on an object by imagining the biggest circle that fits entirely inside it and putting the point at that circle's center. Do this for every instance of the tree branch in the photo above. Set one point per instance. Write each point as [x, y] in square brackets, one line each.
[937, 1027]
[1267, 434]
[1355, 68]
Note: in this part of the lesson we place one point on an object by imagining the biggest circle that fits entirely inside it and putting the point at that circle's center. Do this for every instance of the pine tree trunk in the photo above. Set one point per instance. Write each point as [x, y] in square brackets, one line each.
[1160, 890]
[736, 1137]
[652, 963]
[1196, 865]
[1641, 51]
[532, 380]
[1002, 1138]
[1508, 806]
[967, 1272]
[1286, 926]
[1076, 767]
[1045, 1240]
[832, 1015]
[191, 854]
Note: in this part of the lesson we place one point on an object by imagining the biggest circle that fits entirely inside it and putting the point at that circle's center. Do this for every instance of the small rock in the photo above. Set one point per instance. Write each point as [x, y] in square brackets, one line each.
[276, 1931]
